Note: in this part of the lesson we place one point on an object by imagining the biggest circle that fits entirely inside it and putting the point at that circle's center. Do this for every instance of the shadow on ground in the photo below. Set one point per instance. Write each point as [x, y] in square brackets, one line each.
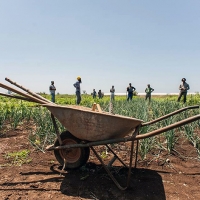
[92, 182]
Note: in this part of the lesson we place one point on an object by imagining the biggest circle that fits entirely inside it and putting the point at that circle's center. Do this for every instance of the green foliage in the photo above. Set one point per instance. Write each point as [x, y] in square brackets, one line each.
[15, 112]
[18, 158]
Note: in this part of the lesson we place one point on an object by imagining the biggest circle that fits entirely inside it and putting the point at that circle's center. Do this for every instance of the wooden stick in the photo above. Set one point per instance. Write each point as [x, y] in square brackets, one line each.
[17, 97]
[23, 94]
[99, 108]
[27, 90]
[94, 106]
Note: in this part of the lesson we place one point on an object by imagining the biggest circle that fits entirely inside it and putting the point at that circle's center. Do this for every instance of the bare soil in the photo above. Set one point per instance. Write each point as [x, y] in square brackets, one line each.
[160, 176]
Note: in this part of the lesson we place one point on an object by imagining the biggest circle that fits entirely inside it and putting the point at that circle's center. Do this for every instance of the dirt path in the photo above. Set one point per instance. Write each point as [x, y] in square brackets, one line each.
[159, 177]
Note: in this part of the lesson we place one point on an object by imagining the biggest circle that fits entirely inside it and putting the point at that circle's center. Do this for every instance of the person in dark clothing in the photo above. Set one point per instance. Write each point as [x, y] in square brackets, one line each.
[130, 89]
[112, 93]
[52, 90]
[94, 94]
[78, 90]
[183, 87]
[100, 94]
[148, 92]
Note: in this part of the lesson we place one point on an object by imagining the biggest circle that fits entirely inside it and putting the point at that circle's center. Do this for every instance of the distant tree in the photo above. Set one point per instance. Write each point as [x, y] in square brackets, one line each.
[84, 92]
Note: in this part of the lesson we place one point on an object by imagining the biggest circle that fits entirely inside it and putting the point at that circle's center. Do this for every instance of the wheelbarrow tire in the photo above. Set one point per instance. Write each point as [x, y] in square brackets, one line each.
[74, 157]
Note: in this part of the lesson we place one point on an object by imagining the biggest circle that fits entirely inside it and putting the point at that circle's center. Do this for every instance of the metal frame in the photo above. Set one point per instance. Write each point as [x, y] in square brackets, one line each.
[134, 137]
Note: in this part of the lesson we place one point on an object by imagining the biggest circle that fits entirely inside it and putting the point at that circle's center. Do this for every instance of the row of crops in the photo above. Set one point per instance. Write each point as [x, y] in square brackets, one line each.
[16, 113]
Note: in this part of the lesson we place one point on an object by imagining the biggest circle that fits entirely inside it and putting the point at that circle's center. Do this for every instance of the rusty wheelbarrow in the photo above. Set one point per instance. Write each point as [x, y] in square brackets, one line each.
[90, 127]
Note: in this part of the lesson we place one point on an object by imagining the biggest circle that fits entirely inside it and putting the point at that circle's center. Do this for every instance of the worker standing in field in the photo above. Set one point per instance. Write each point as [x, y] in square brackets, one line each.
[52, 90]
[183, 87]
[148, 92]
[100, 94]
[94, 94]
[112, 93]
[130, 89]
[78, 90]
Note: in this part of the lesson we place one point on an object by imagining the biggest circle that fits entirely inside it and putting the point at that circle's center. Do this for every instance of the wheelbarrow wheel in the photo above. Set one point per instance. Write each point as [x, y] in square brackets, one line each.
[73, 157]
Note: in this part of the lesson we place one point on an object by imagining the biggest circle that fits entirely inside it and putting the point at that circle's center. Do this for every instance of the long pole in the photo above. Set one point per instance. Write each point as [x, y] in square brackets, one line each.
[17, 97]
[27, 90]
[23, 94]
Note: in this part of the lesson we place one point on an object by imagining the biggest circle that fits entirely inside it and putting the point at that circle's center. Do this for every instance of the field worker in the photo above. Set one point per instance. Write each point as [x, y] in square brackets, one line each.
[94, 94]
[130, 90]
[78, 90]
[99, 94]
[52, 90]
[148, 92]
[183, 87]
[112, 93]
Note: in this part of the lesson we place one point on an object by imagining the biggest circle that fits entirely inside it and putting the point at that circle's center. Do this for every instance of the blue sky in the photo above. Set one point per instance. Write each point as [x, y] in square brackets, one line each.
[107, 42]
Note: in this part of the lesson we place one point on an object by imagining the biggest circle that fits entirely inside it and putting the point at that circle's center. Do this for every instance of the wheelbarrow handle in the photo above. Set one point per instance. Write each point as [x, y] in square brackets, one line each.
[169, 115]
[169, 127]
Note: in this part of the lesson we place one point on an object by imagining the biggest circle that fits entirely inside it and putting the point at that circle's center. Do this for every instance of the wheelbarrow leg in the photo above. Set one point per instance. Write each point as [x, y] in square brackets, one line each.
[136, 153]
[112, 161]
[108, 171]
[116, 157]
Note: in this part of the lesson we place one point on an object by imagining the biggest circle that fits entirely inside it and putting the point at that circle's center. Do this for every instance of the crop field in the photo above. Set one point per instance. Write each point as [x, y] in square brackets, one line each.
[26, 129]
[16, 112]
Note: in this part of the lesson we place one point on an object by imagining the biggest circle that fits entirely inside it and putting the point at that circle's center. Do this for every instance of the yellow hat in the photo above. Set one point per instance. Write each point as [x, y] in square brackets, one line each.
[78, 78]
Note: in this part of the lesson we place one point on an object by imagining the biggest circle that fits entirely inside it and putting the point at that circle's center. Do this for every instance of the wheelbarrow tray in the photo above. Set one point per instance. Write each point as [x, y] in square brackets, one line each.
[89, 125]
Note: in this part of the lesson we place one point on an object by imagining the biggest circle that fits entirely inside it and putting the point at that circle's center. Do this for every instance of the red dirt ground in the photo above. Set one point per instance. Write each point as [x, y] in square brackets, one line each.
[161, 176]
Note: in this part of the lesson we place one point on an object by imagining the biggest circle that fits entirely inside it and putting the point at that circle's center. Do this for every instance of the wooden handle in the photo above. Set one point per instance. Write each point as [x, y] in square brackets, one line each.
[27, 90]
[23, 94]
[99, 108]
[94, 106]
